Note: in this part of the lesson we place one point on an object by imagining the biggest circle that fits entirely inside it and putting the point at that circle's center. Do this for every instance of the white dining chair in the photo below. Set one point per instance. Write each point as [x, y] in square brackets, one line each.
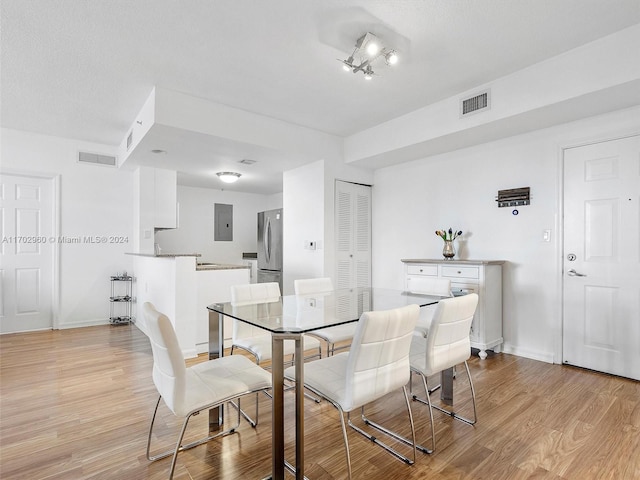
[446, 346]
[428, 286]
[188, 391]
[340, 334]
[257, 341]
[376, 364]
[254, 340]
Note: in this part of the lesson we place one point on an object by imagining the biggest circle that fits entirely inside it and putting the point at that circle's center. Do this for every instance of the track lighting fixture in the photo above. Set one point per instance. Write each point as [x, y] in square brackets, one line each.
[368, 49]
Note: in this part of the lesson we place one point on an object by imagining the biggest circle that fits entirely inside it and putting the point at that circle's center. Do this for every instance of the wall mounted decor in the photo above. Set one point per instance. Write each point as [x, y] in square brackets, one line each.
[514, 197]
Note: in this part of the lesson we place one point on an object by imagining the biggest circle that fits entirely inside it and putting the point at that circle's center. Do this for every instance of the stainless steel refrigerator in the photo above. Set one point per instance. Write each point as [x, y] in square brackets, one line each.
[270, 246]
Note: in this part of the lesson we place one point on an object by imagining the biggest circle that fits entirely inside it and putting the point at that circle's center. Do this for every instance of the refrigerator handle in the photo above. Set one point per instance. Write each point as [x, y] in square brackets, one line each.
[267, 240]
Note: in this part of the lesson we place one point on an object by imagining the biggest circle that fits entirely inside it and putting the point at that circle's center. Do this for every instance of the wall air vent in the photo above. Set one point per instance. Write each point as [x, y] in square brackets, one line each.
[129, 140]
[477, 103]
[97, 159]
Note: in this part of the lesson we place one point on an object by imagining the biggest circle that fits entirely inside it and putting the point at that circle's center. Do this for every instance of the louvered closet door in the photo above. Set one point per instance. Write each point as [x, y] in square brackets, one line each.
[353, 235]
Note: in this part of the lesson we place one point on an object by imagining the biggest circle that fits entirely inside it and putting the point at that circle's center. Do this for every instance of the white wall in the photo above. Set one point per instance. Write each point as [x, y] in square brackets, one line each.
[94, 201]
[458, 190]
[195, 231]
[304, 211]
[309, 197]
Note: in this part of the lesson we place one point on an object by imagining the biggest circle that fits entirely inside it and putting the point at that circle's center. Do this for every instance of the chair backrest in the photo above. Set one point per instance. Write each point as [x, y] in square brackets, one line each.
[448, 341]
[255, 293]
[169, 370]
[430, 286]
[252, 293]
[305, 286]
[379, 356]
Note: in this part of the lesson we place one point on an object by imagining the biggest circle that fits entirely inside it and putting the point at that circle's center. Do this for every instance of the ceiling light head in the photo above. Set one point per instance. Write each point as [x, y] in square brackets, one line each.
[228, 177]
[391, 58]
[368, 73]
[347, 65]
[373, 48]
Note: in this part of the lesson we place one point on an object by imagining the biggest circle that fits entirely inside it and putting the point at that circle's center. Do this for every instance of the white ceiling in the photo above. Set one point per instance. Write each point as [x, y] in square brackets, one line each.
[83, 69]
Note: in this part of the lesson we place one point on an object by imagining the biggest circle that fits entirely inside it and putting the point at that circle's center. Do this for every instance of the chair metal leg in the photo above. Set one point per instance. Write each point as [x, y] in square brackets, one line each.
[346, 441]
[412, 443]
[179, 447]
[306, 394]
[393, 452]
[428, 402]
[251, 421]
[290, 468]
[473, 401]
[448, 412]
[175, 453]
[153, 419]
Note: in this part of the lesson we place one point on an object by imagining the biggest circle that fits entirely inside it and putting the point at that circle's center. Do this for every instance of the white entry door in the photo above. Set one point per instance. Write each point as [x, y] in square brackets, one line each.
[601, 285]
[26, 221]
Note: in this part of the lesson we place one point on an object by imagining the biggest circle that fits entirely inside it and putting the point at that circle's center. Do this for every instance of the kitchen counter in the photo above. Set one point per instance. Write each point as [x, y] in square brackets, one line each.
[181, 285]
[218, 266]
[199, 266]
[165, 255]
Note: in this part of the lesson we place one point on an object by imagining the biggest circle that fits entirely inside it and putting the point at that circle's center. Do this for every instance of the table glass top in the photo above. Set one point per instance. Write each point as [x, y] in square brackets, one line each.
[305, 313]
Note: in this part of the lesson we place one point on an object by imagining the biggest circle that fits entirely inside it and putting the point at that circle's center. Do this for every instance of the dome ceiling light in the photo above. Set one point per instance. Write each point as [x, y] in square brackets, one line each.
[228, 177]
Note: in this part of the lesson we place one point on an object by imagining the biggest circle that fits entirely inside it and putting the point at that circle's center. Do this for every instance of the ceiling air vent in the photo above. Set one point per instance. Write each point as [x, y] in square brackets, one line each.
[247, 161]
[97, 159]
[129, 140]
[477, 103]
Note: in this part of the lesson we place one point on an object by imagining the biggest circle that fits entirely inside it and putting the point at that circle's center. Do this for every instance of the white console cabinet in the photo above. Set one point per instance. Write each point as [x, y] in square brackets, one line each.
[483, 277]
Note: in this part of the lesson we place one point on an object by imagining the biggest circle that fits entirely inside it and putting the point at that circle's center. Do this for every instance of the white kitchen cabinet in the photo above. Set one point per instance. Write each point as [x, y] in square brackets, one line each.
[156, 206]
[483, 277]
[165, 198]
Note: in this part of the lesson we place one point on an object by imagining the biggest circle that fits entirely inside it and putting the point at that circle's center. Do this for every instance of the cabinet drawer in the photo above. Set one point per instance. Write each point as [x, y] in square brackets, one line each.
[458, 271]
[458, 289]
[423, 270]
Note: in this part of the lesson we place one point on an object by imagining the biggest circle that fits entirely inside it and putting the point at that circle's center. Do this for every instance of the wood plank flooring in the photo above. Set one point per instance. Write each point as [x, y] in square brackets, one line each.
[76, 404]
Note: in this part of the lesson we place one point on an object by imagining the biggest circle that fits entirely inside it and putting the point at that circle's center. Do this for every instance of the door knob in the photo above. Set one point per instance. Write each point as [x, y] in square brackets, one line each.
[573, 273]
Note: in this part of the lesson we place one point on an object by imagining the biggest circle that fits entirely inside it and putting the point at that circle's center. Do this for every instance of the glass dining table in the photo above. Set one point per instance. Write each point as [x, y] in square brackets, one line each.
[288, 318]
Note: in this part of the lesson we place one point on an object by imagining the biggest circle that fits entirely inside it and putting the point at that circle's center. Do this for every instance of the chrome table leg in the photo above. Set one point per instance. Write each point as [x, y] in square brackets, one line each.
[216, 350]
[446, 382]
[277, 440]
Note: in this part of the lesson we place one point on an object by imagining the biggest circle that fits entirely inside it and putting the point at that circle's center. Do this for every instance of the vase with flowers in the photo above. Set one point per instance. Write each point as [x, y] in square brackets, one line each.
[448, 252]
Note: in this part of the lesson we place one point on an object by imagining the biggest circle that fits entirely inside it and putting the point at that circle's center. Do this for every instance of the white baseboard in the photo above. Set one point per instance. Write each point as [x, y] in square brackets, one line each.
[547, 357]
[83, 323]
[204, 347]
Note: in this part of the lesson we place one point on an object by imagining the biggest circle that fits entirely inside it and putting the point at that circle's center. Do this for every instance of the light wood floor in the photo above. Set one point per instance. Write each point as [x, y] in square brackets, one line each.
[76, 404]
